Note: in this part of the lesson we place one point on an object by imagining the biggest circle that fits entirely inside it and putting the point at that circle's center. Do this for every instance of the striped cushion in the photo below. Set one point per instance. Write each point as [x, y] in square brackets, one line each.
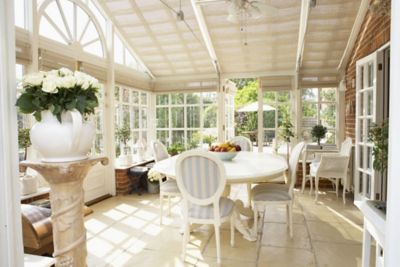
[207, 212]
[200, 176]
[169, 186]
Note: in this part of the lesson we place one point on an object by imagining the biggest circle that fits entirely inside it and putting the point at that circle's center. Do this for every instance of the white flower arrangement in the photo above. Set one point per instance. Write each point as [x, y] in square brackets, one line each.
[58, 91]
[154, 176]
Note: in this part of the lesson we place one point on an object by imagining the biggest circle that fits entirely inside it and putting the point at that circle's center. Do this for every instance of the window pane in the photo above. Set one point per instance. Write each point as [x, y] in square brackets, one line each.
[362, 77]
[193, 139]
[143, 98]
[361, 99]
[210, 98]
[19, 13]
[310, 94]
[269, 136]
[329, 137]
[162, 99]
[144, 118]
[370, 103]
[328, 115]
[135, 117]
[177, 117]
[193, 98]
[125, 115]
[283, 97]
[210, 116]
[177, 99]
[269, 119]
[178, 137]
[162, 136]
[116, 93]
[283, 113]
[309, 114]
[370, 75]
[361, 157]
[134, 97]
[269, 98]
[369, 158]
[193, 117]
[328, 94]
[162, 117]
[125, 95]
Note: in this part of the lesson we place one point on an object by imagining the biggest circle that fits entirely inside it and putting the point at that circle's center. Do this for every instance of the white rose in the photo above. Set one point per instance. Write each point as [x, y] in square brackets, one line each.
[84, 80]
[67, 82]
[34, 79]
[50, 84]
[65, 72]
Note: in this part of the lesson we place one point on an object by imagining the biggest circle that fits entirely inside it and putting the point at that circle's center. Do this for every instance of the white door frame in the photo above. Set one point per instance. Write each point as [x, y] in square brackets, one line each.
[392, 256]
[11, 249]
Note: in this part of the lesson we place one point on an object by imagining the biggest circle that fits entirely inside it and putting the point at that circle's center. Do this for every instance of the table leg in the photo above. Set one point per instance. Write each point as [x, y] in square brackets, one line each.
[304, 163]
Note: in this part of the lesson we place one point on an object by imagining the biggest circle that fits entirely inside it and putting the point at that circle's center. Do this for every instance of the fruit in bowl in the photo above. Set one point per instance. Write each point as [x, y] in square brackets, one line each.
[225, 151]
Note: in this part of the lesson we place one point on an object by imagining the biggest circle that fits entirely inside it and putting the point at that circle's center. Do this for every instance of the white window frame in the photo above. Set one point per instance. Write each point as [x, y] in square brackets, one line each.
[119, 103]
[319, 103]
[185, 105]
[276, 103]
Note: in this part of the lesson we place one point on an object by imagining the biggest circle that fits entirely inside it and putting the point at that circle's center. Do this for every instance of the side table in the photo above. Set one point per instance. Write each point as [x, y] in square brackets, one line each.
[66, 198]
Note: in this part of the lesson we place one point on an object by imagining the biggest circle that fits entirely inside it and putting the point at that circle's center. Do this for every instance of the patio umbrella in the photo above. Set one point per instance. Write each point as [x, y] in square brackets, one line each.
[253, 107]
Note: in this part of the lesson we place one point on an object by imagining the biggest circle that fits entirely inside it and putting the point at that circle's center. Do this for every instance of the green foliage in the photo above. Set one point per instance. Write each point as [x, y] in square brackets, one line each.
[79, 92]
[379, 135]
[319, 132]
[175, 148]
[241, 83]
[286, 130]
[247, 94]
[197, 137]
[123, 134]
[24, 140]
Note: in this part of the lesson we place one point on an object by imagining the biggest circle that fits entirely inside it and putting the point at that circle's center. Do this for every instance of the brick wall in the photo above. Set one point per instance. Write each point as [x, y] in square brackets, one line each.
[123, 184]
[374, 32]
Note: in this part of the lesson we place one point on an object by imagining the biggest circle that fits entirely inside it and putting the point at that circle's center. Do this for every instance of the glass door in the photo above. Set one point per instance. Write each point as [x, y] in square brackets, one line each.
[366, 116]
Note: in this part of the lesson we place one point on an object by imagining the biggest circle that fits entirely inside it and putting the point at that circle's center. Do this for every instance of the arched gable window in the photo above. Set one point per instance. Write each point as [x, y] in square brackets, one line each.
[72, 22]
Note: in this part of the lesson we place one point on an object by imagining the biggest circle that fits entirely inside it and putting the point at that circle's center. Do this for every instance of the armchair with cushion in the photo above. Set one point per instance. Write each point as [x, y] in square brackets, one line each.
[37, 230]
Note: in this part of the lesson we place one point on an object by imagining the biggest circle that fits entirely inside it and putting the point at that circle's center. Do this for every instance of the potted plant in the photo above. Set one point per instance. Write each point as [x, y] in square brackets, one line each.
[379, 136]
[123, 136]
[61, 102]
[287, 134]
[28, 182]
[175, 149]
[153, 181]
[319, 132]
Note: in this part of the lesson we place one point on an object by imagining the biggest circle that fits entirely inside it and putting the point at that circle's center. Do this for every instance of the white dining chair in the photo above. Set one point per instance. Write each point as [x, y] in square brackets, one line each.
[268, 194]
[169, 187]
[333, 166]
[245, 145]
[201, 180]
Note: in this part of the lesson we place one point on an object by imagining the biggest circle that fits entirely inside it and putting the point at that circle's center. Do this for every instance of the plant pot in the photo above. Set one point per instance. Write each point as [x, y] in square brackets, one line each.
[69, 140]
[28, 184]
[153, 188]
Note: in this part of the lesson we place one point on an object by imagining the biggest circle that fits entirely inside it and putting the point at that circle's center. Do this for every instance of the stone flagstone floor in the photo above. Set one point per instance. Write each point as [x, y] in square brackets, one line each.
[125, 231]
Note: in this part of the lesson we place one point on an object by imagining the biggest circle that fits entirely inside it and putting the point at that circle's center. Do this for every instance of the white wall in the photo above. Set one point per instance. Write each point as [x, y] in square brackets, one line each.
[11, 251]
[392, 255]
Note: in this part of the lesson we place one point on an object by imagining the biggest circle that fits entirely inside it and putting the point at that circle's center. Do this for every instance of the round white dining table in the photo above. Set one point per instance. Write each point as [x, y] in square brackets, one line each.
[246, 167]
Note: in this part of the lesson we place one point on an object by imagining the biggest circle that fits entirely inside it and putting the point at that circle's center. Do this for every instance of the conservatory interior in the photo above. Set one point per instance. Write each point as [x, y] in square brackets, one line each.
[267, 119]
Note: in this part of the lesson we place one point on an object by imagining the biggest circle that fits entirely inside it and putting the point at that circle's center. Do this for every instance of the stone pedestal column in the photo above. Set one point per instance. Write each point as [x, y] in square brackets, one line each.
[66, 198]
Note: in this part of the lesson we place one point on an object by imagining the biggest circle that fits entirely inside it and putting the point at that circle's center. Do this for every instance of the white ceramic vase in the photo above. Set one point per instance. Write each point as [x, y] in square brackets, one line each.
[69, 140]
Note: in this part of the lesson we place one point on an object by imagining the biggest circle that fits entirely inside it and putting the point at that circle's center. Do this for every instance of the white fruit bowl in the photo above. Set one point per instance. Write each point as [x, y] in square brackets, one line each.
[226, 156]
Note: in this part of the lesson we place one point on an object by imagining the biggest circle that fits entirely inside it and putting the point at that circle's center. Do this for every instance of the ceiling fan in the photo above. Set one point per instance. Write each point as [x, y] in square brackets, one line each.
[243, 10]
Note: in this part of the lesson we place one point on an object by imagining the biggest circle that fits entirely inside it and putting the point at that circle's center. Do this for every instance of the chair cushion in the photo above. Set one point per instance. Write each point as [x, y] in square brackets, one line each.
[169, 186]
[226, 206]
[270, 192]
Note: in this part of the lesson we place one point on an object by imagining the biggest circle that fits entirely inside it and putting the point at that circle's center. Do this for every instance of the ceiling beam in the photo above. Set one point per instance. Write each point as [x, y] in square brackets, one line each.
[198, 12]
[305, 11]
[362, 11]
